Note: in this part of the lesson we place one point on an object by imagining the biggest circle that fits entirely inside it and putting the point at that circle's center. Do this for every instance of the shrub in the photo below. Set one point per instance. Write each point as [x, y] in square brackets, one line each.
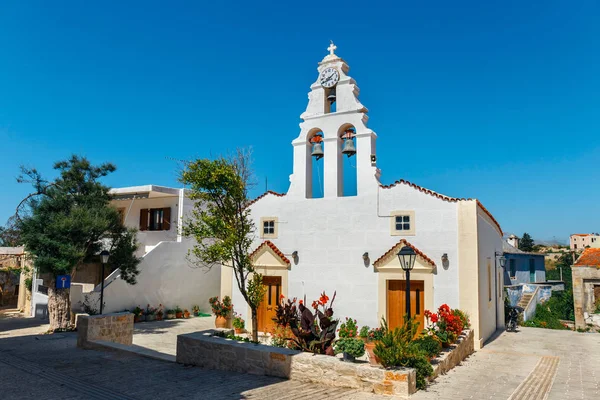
[364, 332]
[429, 345]
[348, 329]
[353, 346]
[238, 322]
[549, 314]
[397, 349]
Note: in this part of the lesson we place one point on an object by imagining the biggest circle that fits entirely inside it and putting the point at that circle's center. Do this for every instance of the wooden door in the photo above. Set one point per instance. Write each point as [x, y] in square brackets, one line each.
[266, 309]
[396, 303]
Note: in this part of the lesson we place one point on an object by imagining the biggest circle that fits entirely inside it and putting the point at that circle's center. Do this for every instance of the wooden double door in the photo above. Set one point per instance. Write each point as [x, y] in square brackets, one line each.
[266, 309]
[396, 302]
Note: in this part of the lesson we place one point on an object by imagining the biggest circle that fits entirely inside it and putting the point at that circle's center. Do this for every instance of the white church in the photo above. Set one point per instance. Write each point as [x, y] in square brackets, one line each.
[314, 238]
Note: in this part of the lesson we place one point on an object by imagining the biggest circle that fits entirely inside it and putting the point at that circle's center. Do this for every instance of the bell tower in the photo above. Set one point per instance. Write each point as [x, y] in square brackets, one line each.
[334, 127]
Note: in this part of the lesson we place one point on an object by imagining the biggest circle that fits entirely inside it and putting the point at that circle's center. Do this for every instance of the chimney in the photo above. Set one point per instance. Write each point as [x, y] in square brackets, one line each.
[513, 241]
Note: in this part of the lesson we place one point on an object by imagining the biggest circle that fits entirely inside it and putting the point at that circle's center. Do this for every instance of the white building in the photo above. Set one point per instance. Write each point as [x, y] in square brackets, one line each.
[166, 276]
[579, 241]
[348, 244]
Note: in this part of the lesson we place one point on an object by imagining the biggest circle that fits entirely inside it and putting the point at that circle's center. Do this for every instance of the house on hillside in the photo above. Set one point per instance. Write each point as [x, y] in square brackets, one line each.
[166, 276]
[522, 266]
[325, 234]
[586, 289]
[579, 241]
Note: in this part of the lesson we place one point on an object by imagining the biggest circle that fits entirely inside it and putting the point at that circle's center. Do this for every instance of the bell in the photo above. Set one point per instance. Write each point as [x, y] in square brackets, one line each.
[331, 96]
[349, 148]
[317, 151]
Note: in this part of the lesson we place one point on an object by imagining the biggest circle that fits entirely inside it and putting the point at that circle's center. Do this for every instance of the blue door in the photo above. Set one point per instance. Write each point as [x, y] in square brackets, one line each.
[531, 270]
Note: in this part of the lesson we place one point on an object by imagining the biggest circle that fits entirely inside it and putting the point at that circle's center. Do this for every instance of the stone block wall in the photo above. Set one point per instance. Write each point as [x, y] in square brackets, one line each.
[116, 328]
[207, 351]
[584, 280]
[458, 352]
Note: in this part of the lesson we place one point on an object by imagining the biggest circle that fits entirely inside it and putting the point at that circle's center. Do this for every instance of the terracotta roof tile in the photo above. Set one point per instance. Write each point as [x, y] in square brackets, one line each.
[403, 242]
[589, 257]
[274, 248]
[442, 197]
[580, 234]
[263, 195]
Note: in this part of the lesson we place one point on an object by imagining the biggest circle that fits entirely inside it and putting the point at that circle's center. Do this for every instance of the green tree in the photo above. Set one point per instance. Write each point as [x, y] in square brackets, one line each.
[10, 235]
[526, 243]
[221, 222]
[66, 222]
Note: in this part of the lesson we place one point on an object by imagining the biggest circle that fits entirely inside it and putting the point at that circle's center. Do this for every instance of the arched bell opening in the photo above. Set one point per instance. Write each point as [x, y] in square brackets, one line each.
[330, 100]
[315, 187]
[347, 135]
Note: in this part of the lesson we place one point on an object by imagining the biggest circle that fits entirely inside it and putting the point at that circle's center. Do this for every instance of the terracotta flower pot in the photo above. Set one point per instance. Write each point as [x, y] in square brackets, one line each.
[159, 317]
[179, 314]
[221, 322]
[139, 318]
[373, 359]
[238, 330]
[186, 315]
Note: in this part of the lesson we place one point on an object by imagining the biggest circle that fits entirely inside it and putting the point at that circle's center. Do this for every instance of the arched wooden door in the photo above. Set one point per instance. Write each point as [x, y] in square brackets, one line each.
[396, 302]
[266, 309]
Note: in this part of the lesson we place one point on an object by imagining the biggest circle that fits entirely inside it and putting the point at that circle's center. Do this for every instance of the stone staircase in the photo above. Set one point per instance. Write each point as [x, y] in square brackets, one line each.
[525, 299]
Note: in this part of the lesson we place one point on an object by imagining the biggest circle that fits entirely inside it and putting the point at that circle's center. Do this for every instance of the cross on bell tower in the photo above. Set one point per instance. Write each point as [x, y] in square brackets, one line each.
[332, 47]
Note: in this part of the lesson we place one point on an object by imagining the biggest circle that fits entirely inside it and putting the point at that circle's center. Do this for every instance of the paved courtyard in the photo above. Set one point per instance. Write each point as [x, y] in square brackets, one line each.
[530, 364]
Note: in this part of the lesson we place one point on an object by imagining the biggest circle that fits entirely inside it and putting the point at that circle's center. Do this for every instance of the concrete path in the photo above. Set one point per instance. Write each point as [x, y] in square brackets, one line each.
[161, 336]
[530, 364]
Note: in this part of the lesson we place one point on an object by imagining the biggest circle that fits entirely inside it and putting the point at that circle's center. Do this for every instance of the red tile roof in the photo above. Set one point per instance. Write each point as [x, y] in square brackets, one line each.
[263, 195]
[403, 242]
[274, 248]
[580, 234]
[589, 257]
[444, 198]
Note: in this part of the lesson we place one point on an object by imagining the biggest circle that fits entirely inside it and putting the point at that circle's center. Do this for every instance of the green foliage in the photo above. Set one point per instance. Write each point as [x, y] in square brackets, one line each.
[464, 318]
[177, 310]
[10, 235]
[353, 346]
[348, 329]
[69, 220]
[256, 290]
[429, 345]
[526, 243]
[547, 315]
[29, 284]
[238, 321]
[221, 222]
[564, 262]
[364, 332]
[397, 349]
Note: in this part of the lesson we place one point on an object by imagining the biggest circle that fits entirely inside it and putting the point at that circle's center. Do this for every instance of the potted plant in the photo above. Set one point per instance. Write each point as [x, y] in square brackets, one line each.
[159, 313]
[221, 309]
[196, 310]
[138, 315]
[364, 333]
[186, 314]
[170, 314]
[150, 313]
[351, 348]
[238, 323]
[178, 312]
[348, 343]
[375, 335]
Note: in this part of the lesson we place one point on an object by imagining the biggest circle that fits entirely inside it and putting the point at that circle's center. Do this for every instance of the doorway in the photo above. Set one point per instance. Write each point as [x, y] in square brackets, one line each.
[396, 302]
[266, 309]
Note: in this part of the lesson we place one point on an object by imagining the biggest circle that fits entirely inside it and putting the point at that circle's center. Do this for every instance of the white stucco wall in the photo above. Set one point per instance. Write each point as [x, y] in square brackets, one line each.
[491, 312]
[331, 235]
[165, 278]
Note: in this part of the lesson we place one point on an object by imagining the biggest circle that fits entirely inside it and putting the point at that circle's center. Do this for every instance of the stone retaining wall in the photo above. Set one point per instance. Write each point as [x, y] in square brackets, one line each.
[116, 328]
[204, 350]
[456, 354]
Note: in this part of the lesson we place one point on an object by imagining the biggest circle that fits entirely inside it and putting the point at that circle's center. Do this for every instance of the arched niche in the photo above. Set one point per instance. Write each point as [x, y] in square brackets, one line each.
[315, 187]
[347, 175]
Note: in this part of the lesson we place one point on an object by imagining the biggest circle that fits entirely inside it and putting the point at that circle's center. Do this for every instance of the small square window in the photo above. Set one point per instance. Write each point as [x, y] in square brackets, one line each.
[268, 227]
[403, 223]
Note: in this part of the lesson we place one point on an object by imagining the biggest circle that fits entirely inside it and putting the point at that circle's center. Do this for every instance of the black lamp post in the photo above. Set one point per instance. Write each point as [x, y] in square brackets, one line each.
[104, 258]
[407, 257]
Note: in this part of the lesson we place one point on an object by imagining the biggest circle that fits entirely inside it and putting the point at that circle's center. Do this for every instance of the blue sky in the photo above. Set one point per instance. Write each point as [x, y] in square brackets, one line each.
[493, 100]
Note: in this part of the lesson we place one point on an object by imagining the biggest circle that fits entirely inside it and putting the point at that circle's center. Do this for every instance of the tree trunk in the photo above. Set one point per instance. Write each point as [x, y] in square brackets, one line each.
[59, 308]
[254, 325]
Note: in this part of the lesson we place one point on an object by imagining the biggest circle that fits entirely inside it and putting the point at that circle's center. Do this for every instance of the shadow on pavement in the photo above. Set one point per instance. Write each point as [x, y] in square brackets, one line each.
[155, 327]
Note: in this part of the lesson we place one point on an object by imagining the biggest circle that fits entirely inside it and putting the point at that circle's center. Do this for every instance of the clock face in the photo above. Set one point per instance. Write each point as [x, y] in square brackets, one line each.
[329, 77]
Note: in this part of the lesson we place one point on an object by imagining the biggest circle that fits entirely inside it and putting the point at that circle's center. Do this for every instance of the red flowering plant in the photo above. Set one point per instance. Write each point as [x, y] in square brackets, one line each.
[311, 332]
[348, 329]
[446, 324]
